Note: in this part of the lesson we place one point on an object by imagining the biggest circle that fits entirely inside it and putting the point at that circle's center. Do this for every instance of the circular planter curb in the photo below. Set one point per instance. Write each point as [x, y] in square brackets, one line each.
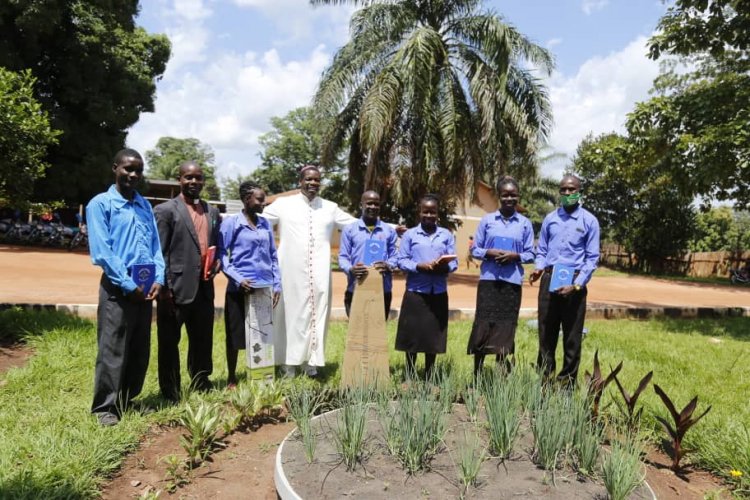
[285, 491]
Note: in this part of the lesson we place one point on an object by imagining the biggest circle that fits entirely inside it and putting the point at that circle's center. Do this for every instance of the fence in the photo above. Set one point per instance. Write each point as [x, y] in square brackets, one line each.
[697, 265]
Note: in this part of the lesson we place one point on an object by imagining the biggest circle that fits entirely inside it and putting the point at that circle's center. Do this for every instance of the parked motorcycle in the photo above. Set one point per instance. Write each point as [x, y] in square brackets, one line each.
[739, 276]
[81, 238]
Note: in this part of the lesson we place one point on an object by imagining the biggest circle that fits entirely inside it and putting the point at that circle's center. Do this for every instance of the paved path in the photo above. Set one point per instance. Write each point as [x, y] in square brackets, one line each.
[43, 276]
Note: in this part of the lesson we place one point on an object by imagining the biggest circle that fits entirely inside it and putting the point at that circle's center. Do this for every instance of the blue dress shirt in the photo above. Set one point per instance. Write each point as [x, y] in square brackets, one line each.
[571, 239]
[418, 246]
[518, 228]
[352, 249]
[122, 233]
[248, 253]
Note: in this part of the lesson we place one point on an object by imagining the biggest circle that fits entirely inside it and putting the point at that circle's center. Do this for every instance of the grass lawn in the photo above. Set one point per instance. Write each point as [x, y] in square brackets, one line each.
[51, 447]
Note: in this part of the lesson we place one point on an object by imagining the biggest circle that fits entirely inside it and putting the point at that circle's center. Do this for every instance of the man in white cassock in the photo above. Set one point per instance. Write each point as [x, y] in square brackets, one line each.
[306, 224]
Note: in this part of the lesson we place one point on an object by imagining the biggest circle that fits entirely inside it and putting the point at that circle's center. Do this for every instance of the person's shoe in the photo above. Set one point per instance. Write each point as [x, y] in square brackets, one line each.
[203, 385]
[289, 371]
[311, 371]
[231, 386]
[108, 419]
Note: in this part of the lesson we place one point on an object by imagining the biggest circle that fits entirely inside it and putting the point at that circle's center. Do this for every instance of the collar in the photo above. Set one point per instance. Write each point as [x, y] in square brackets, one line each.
[573, 215]
[120, 201]
[262, 222]
[513, 217]
[307, 200]
[422, 231]
[362, 225]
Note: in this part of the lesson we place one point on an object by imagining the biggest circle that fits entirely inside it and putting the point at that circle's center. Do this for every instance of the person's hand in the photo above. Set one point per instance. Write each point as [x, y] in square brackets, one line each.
[381, 267]
[492, 254]
[359, 271]
[136, 295]
[154, 292]
[535, 275]
[247, 286]
[438, 268]
[566, 290]
[214, 270]
[275, 300]
[506, 257]
[425, 267]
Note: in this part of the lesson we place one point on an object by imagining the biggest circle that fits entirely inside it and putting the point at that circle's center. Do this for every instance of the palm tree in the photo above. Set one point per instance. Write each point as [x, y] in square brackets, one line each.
[431, 96]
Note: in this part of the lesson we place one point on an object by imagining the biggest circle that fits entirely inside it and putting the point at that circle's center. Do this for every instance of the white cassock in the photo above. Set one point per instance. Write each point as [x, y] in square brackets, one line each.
[301, 317]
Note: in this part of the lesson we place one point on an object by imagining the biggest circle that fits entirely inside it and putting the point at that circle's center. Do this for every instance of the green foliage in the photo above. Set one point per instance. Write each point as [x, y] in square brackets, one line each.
[96, 73]
[349, 433]
[713, 26]
[622, 469]
[721, 229]
[553, 429]
[701, 116]
[303, 404]
[471, 454]
[202, 424]
[632, 192]
[430, 97]
[164, 161]
[25, 135]
[503, 395]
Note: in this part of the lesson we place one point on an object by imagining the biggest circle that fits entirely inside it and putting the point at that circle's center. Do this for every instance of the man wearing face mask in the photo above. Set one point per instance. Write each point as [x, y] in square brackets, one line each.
[568, 241]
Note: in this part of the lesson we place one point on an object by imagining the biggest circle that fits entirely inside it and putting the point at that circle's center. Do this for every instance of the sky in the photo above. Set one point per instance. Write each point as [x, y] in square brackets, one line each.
[237, 63]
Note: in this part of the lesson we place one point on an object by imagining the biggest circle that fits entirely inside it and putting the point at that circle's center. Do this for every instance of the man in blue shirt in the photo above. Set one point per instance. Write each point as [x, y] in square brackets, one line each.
[354, 239]
[569, 237]
[122, 233]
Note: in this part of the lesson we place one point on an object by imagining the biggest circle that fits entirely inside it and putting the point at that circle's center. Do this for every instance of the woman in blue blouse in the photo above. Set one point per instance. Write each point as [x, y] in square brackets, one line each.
[504, 239]
[248, 257]
[423, 321]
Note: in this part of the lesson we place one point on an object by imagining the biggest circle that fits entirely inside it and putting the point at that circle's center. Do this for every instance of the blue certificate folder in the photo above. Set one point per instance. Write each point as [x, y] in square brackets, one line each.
[144, 276]
[502, 243]
[374, 252]
[561, 276]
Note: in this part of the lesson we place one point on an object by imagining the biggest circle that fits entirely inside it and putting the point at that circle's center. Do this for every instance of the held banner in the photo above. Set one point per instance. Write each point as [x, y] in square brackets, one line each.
[366, 355]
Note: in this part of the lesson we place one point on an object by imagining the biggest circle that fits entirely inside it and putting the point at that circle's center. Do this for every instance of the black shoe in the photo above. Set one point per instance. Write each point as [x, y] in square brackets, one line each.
[203, 385]
[108, 419]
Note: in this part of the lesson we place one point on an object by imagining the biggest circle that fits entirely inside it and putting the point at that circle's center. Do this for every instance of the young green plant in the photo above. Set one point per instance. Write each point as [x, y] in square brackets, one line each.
[622, 470]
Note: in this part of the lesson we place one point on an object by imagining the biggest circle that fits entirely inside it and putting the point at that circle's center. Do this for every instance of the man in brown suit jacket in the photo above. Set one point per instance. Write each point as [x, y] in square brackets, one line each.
[188, 227]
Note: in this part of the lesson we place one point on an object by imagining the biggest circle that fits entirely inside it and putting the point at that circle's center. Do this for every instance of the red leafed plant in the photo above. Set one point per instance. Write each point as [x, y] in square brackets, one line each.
[631, 401]
[596, 383]
[682, 423]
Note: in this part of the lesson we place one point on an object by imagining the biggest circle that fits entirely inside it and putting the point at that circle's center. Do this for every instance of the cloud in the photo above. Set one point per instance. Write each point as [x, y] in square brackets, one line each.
[297, 21]
[598, 97]
[187, 33]
[589, 6]
[228, 104]
[553, 42]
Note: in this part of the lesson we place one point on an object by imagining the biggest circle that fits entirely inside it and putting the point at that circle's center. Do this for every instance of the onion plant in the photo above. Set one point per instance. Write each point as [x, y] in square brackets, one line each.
[349, 433]
[303, 403]
[622, 470]
[471, 454]
[553, 429]
[503, 396]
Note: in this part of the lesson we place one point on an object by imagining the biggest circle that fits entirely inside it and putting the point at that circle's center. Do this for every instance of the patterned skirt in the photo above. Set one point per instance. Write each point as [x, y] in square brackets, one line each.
[496, 318]
[423, 323]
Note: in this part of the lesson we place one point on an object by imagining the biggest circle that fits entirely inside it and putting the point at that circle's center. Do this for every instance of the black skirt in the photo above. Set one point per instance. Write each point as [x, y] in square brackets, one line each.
[496, 318]
[423, 323]
[234, 319]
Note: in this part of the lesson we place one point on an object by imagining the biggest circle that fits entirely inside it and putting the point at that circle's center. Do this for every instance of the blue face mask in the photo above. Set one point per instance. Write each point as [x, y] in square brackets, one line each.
[569, 200]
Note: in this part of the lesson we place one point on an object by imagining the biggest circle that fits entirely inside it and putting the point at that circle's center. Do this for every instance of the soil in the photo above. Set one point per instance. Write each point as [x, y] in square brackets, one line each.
[381, 476]
[12, 354]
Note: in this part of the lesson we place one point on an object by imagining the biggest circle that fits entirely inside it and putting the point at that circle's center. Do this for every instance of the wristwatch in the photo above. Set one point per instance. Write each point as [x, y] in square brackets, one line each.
[577, 287]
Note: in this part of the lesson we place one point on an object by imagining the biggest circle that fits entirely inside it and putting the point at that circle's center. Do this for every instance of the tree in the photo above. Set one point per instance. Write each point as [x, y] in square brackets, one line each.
[701, 116]
[296, 139]
[721, 229]
[632, 195]
[164, 161]
[25, 134]
[95, 71]
[424, 93]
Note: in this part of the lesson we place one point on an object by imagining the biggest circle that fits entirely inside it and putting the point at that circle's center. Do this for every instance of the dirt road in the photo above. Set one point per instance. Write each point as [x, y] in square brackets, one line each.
[41, 276]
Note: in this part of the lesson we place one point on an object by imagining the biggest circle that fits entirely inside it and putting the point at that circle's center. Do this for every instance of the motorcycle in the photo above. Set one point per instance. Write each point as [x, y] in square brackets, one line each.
[739, 276]
[81, 238]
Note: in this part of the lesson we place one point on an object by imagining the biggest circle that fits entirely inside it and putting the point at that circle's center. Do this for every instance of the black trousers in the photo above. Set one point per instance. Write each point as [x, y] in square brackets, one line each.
[568, 312]
[123, 332]
[387, 296]
[198, 318]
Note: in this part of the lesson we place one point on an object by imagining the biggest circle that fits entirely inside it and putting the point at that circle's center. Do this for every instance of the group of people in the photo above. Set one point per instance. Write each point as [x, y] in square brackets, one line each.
[171, 255]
